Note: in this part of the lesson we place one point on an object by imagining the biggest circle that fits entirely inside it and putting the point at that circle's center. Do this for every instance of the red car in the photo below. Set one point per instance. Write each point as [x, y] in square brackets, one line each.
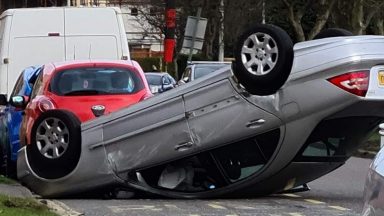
[86, 88]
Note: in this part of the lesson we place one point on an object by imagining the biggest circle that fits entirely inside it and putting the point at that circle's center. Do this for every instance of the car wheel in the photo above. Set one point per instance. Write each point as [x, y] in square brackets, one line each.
[333, 32]
[7, 166]
[2, 162]
[55, 145]
[263, 59]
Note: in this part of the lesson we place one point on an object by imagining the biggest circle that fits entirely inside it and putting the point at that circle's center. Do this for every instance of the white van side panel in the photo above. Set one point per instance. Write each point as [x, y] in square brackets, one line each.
[123, 36]
[29, 41]
[37, 22]
[36, 36]
[92, 33]
[22, 54]
[5, 26]
[91, 47]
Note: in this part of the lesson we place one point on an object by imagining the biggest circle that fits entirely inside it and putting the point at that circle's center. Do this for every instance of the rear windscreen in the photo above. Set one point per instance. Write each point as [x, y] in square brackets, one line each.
[96, 81]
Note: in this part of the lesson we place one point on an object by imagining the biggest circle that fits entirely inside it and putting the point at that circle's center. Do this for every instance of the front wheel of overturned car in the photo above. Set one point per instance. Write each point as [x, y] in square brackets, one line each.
[263, 59]
[55, 145]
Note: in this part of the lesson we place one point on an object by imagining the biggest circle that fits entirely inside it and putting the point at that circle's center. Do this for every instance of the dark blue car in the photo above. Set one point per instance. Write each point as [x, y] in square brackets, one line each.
[10, 121]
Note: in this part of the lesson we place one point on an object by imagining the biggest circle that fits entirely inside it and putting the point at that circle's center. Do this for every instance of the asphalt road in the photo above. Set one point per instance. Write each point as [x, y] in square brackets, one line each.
[338, 193]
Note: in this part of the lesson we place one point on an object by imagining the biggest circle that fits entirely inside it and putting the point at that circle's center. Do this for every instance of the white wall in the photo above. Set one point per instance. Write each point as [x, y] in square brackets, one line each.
[136, 30]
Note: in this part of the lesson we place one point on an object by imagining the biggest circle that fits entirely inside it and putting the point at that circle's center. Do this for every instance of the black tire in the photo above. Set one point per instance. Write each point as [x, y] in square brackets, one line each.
[58, 166]
[275, 76]
[333, 32]
[3, 163]
[10, 169]
[7, 166]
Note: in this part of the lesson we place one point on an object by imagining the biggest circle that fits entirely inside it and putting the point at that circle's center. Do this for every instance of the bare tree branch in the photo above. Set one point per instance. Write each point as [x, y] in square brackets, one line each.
[322, 17]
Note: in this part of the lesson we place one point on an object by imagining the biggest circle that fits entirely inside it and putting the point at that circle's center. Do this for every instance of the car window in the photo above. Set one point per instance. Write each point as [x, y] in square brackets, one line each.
[96, 81]
[171, 80]
[187, 73]
[18, 86]
[37, 87]
[153, 79]
[167, 80]
[202, 70]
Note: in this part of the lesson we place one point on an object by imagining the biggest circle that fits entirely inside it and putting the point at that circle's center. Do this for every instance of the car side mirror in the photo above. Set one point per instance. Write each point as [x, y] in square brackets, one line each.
[3, 100]
[186, 79]
[19, 101]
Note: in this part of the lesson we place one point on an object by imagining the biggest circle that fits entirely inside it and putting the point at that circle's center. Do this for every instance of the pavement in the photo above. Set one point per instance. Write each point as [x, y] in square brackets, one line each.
[15, 190]
[18, 190]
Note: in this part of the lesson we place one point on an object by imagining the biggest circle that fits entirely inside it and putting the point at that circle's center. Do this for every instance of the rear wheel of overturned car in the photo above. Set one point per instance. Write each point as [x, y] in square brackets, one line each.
[263, 59]
[55, 145]
[333, 32]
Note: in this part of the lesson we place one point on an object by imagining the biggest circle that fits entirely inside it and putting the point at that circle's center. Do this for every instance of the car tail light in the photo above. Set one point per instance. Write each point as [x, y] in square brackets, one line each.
[353, 82]
[45, 104]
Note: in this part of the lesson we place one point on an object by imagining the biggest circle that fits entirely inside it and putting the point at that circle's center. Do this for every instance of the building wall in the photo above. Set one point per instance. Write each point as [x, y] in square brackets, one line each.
[89, 3]
[142, 40]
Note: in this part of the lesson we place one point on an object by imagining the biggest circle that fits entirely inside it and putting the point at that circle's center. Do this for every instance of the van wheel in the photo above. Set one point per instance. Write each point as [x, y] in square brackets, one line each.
[263, 59]
[55, 146]
[333, 32]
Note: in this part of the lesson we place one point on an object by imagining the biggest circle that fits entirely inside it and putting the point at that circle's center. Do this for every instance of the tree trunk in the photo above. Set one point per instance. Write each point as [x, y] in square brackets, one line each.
[295, 20]
[322, 17]
[378, 25]
[357, 18]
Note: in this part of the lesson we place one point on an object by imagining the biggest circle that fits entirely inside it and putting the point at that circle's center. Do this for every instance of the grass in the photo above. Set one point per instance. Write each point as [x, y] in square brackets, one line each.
[14, 206]
[4, 180]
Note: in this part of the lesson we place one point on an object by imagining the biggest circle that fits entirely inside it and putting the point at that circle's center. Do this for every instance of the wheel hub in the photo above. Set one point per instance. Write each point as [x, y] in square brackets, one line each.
[259, 54]
[50, 138]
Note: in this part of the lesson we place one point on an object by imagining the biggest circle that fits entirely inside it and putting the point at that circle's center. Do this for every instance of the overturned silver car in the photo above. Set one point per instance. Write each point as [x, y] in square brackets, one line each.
[280, 117]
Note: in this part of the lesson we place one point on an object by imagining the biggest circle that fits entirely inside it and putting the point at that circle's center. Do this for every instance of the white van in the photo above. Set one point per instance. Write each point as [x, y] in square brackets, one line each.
[34, 36]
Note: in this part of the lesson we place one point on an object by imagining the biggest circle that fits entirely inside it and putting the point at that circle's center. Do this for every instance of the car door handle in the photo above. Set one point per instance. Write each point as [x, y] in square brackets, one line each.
[183, 146]
[255, 123]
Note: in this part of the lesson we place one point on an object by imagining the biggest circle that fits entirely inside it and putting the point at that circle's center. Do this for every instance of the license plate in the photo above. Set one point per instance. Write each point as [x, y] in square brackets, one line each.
[381, 78]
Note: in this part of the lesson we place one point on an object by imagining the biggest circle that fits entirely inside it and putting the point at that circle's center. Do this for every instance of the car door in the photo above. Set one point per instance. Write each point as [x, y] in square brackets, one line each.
[14, 118]
[151, 132]
[217, 115]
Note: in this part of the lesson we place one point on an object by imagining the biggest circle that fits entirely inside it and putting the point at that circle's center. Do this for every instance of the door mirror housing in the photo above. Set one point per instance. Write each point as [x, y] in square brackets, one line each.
[19, 101]
[3, 100]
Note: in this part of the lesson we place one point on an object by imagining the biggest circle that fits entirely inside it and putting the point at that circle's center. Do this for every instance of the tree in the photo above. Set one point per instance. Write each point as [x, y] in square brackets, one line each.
[298, 8]
[357, 15]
